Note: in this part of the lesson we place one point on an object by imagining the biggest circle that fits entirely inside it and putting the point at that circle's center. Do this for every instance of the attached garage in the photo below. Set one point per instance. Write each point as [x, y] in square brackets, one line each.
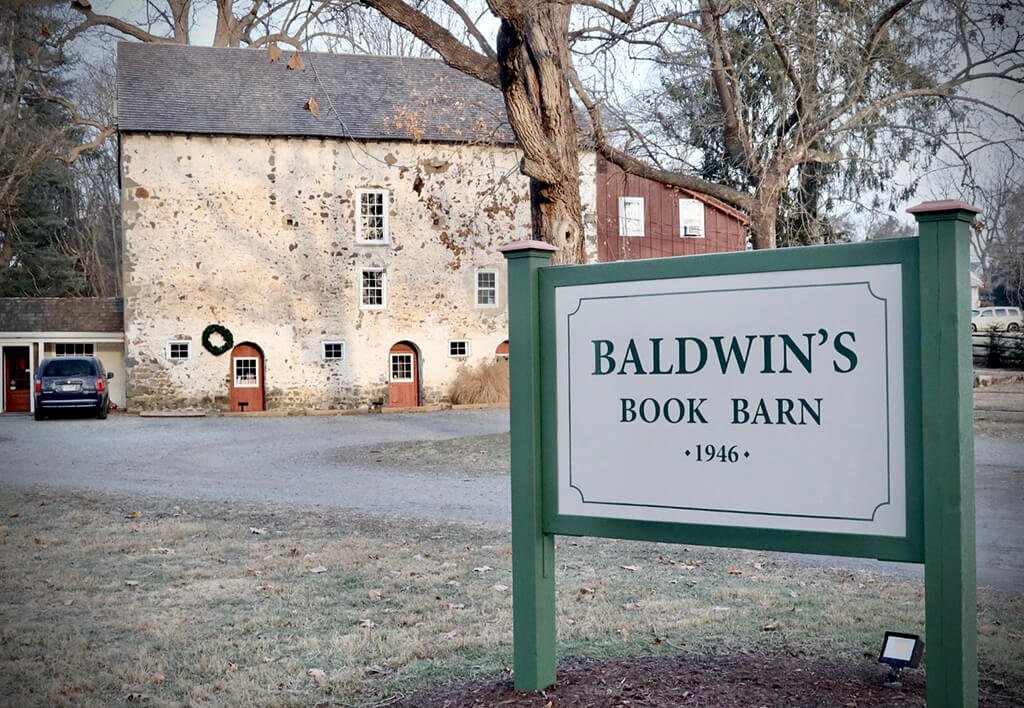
[32, 329]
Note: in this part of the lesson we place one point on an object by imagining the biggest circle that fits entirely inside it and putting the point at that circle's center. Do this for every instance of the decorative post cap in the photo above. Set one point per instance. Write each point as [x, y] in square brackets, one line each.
[942, 205]
[526, 246]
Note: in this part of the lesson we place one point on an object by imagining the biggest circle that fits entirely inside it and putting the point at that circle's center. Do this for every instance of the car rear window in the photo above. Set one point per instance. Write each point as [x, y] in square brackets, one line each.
[67, 367]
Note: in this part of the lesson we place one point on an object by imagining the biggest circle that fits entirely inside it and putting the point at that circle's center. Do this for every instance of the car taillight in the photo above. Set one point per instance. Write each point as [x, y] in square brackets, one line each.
[101, 384]
[39, 386]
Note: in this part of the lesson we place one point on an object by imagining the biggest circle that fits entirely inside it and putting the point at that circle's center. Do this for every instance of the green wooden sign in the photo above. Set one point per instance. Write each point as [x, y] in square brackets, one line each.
[788, 400]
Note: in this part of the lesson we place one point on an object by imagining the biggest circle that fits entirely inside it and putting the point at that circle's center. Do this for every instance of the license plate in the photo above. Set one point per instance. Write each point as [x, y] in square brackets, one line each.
[70, 387]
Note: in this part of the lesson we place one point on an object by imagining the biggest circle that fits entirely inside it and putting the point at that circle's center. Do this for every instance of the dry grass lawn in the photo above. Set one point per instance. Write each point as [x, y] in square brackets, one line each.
[109, 600]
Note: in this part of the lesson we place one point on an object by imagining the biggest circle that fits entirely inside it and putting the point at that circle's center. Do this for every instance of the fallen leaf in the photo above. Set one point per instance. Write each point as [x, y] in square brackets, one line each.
[319, 569]
[375, 594]
[319, 675]
[376, 669]
[630, 568]
[312, 107]
[270, 659]
[720, 608]
[135, 515]
[15, 515]
[772, 626]
[295, 63]
[157, 678]
[274, 53]
[294, 551]
[454, 606]
[482, 569]
[257, 531]
[631, 605]
[449, 635]
[131, 583]
[162, 551]
[500, 587]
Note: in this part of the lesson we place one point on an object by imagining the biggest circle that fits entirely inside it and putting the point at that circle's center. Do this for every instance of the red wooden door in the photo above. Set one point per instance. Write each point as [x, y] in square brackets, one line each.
[247, 378]
[17, 379]
[404, 385]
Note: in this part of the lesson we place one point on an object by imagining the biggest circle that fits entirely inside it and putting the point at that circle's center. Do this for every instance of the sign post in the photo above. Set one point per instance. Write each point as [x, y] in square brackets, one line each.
[533, 550]
[948, 454]
[811, 400]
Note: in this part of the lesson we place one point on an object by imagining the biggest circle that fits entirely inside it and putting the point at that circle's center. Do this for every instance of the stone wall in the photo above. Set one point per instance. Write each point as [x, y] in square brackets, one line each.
[258, 235]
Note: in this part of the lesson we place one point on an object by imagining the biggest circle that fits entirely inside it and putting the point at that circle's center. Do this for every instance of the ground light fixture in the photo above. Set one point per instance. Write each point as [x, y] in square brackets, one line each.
[900, 650]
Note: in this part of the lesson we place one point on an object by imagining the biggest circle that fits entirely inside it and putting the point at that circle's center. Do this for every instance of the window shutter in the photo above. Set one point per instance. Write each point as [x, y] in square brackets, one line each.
[691, 218]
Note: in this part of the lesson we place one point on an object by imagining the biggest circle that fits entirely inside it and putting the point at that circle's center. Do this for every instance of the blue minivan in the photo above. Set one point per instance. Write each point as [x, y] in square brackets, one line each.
[72, 382]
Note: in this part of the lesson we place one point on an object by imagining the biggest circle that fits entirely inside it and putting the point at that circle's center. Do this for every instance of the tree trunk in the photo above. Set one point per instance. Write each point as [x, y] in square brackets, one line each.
[533, 61]
[765, 213]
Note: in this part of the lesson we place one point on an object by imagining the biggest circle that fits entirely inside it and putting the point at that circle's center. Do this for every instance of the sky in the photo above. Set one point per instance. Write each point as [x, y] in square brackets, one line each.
[935, 185]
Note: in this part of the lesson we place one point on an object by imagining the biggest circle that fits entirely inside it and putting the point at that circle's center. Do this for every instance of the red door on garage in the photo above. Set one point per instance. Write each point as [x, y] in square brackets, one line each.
[247, 378]
[404, 384]
[17, 379]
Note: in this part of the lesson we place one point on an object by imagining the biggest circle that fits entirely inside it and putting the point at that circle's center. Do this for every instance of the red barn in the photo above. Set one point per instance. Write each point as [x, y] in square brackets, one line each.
[642, 218]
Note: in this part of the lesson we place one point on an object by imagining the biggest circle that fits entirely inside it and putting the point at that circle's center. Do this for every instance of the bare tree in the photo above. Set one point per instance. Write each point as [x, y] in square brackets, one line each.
[808, 100]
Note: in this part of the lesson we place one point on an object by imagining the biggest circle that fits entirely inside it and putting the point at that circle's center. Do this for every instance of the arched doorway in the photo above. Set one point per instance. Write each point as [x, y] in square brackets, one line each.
[502, 351]
[247, 385]
[403, 375]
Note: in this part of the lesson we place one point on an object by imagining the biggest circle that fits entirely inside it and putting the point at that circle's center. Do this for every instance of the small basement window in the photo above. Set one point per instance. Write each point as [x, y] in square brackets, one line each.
[333, 351]
[179, 349]
[74, 349]
[458, 348]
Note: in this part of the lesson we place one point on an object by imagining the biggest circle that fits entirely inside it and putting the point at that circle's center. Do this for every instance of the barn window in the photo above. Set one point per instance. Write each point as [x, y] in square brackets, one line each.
[372, 216]
[458, 348]
[631, 216]
[333, 351]
[179, 349]
[691, 218]
[487, 288]
[372, 289]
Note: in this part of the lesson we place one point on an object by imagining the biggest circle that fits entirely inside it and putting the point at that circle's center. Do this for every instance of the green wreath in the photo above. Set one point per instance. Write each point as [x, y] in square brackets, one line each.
[224, 333]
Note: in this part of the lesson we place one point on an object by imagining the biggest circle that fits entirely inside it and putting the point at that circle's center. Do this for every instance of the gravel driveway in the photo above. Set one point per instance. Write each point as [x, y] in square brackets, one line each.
[449, 465]
[404, 465]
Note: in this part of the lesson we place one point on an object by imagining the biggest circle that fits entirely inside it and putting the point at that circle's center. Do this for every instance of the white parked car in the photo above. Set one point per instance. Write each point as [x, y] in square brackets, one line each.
[999, 318]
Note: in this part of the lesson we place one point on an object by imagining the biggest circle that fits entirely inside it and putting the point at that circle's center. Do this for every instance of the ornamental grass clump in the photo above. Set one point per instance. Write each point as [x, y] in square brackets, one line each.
[486, 382]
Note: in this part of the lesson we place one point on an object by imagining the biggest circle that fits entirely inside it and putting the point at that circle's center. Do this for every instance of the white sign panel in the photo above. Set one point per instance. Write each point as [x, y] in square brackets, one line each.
[767, 400]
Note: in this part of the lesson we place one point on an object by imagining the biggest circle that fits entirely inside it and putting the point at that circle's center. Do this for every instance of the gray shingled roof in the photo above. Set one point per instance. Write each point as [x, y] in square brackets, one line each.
[61, 314]
[187, 89]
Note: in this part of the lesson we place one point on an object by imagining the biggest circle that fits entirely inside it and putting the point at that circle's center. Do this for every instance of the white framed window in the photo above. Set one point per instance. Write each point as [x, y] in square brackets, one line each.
[179, 349]
[247, 372]
[401, 367]
[372, 223]
[74, 349]
[333, 350]
[691, 218]
[487, 288]
[458, 348]
[631, 216]
[373, 289]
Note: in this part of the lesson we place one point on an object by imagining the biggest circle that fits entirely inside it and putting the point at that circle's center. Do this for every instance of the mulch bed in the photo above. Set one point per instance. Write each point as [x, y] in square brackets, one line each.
[707, 681]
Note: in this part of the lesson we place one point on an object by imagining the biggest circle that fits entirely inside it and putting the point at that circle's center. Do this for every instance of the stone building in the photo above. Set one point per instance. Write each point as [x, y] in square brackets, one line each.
[316, 231]
[339, 220]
